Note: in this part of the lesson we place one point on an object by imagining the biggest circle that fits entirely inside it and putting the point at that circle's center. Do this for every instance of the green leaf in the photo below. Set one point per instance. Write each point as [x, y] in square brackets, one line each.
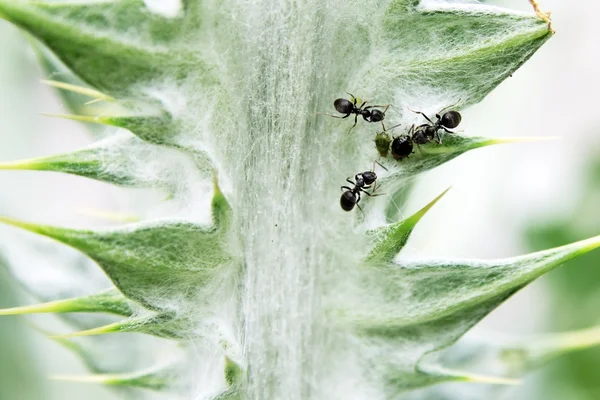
[426, 306]
[433, 155]
[160, 130]
[441, 49]
[123, 160]
[153, 263]
[514, 357]
[531, 353]
[110, 301]
[57, 75]
[390, 239]
[114, 46]
[165, 325]
[438, 290]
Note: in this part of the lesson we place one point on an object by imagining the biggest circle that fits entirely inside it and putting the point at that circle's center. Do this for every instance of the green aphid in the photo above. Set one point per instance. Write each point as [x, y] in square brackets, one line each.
[382, 142]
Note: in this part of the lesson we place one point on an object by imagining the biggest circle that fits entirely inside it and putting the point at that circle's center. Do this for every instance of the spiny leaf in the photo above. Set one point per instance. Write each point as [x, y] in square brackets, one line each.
[153, 263]
[160, 130]
[439, 290]
[390, 239]
[158, 380]
[434, 374]
[110, 301]
[123, 160]
[534, 352]
[55, 71]
[114, 46]
[433, 155]
[416, 309]
[165, 325]
[514, 357]
[461, 48]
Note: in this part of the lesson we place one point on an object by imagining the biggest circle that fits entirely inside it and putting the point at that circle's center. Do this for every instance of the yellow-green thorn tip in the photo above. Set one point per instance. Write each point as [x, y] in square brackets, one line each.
[27, 164]
[506, 140]
[83, 118]
[97, 95]
[576, 340]
[110, 328]
[490, 380]
[391, 239]
[107, 215]
[221, 210]
[110, 301]
[147, 380]
[40, 229]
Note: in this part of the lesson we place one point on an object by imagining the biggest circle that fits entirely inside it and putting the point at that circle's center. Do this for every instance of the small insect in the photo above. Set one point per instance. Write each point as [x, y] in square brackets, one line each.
[364, 180]
[369, 113]
[427, 132]
[383, 140]
[402, 146]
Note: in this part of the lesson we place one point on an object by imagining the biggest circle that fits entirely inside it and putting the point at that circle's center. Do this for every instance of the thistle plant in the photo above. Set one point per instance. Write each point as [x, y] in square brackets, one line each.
[255, 282]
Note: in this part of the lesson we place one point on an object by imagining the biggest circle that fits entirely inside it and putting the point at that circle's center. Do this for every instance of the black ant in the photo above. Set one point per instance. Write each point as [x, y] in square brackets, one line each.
[364, 180]
[369, 113]
[427, 132]
[402, 146]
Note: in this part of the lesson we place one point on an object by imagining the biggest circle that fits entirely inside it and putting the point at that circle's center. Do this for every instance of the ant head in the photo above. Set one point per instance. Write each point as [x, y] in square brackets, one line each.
[450, 119]
[377, 115]
[369, 177]
[343, 106]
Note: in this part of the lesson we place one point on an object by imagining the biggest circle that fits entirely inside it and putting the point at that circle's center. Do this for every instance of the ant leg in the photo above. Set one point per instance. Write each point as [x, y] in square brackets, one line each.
[372, 194]
[353, 98]
[450, 106]
[355, 122]
[361, 210]
[350, 182]
[385, 108]
[378, 163]
[423, 114]
[389, 129]
[331, 115]
[346, 188]
[419, 148]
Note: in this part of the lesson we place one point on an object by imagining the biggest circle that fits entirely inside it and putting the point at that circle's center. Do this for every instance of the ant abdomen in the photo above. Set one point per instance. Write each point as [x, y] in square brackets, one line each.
[348, 201]
[343, 106]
